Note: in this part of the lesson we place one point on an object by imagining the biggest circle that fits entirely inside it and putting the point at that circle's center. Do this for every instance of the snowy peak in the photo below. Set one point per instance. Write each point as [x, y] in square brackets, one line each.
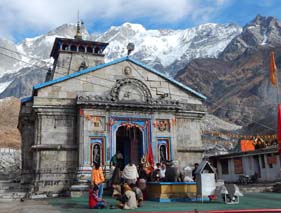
[40, 46]
[151, 46]
[69, 31]
[132, 27]
[264, 30]
[165, 47]
[123, 32]
[8, 56]
[261, 31]
[263, 21]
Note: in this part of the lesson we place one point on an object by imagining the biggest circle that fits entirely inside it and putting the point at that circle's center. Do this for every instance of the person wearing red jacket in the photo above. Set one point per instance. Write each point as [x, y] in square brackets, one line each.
[94, 201]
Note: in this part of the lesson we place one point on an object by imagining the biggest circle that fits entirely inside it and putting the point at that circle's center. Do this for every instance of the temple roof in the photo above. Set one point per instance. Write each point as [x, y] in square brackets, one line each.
[71, 41]
[127, 58]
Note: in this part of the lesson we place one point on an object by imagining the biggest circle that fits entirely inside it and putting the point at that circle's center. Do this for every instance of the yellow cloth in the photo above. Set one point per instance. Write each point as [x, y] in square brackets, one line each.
[97, 176]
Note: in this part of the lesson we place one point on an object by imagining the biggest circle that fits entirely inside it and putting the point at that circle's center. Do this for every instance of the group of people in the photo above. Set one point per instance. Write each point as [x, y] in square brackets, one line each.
[125, 185]
[128, 182]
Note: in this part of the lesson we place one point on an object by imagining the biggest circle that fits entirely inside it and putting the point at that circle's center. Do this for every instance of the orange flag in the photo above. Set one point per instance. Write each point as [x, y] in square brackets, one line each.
[272, 69]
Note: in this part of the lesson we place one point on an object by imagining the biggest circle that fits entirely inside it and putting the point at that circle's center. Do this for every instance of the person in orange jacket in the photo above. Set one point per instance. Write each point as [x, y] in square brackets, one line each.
[98, 178]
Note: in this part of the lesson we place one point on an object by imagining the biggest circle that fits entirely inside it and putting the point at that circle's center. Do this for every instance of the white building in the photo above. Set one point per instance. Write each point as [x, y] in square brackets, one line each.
[263, 162]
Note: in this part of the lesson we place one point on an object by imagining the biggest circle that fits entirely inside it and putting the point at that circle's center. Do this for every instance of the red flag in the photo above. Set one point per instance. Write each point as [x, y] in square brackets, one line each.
[272, 69]
[279, 129]
[150, 158]
[81, 112]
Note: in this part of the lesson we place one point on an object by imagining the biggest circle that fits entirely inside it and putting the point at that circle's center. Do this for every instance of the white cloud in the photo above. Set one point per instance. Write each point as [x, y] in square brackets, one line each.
[18, 16]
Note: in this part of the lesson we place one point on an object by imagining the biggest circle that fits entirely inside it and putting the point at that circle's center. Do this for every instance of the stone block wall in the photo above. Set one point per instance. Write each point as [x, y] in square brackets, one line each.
[69, 62]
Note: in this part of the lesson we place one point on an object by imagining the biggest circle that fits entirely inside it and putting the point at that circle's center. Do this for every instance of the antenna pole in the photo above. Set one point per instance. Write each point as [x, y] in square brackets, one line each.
[78, 16]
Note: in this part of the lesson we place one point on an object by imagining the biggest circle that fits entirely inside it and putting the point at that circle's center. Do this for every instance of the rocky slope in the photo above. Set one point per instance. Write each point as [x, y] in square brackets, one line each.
[237, 82]
[9, 134]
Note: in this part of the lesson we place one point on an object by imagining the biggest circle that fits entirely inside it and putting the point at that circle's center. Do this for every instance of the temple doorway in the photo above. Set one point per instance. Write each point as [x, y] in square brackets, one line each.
[129, 141]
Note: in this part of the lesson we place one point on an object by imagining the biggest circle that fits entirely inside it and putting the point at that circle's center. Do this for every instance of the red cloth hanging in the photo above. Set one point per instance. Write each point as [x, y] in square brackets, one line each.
[81, 112]
[150, 158]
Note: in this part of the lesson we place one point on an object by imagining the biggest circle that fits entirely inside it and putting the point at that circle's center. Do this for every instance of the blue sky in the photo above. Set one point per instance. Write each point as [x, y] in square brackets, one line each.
[29, 18]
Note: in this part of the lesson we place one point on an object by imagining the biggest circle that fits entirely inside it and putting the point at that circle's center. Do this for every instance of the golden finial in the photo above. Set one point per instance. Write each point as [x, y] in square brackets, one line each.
[78, 33]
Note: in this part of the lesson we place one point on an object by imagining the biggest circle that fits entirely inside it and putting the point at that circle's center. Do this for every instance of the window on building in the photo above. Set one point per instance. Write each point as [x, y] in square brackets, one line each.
[224, 167]
[81, 49]
[73, 48]
[262, 161]
[97, 50]
[89, 49]
[271, 160]
[65, 47]
[238, 166]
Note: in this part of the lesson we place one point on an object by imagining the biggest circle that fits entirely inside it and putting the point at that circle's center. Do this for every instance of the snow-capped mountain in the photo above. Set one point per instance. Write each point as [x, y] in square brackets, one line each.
[237, 83]
[165, 47]
[165, 50]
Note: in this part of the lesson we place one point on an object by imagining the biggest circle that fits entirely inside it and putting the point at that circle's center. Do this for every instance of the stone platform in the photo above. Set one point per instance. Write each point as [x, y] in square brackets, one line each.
[172, 191]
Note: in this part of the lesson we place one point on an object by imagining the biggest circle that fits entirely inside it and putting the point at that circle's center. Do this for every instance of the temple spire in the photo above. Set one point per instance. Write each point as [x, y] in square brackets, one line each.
[78, 33]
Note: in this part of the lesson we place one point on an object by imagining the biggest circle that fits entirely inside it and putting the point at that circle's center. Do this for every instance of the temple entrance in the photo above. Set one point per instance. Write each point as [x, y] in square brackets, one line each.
[129, 141]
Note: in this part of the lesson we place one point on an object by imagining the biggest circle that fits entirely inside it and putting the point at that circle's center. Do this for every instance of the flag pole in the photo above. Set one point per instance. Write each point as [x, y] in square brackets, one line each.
[274, 81]
[277, 87]
[278, 114]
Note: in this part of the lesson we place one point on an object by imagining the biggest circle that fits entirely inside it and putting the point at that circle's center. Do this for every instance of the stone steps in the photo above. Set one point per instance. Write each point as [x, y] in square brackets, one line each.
[12, 191]
[10, 196]
[256, 188]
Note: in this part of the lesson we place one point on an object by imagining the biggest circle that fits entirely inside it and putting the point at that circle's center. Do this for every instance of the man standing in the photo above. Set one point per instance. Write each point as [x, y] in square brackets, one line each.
[117, 159]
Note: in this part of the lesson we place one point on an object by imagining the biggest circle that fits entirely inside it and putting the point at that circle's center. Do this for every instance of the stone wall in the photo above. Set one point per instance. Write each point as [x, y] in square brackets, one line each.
[69, 62]
[54, 150]
[100, 82]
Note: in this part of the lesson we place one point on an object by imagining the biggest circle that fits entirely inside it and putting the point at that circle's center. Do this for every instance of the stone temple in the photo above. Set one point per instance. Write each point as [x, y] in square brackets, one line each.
[87, 110]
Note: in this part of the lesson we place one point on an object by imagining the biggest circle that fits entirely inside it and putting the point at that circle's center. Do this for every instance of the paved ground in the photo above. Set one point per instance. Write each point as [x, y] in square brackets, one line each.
[28, 206]
[249, 201]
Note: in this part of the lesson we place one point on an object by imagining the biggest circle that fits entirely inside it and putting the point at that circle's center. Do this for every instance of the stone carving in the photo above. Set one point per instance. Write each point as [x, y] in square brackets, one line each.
[163, 125]
[130, 89]
[163, 151]
[96, 123]
[127, 70]
[96, 153]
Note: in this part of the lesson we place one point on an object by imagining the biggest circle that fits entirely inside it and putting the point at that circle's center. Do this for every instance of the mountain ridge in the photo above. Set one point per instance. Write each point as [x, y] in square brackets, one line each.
[242, 92]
